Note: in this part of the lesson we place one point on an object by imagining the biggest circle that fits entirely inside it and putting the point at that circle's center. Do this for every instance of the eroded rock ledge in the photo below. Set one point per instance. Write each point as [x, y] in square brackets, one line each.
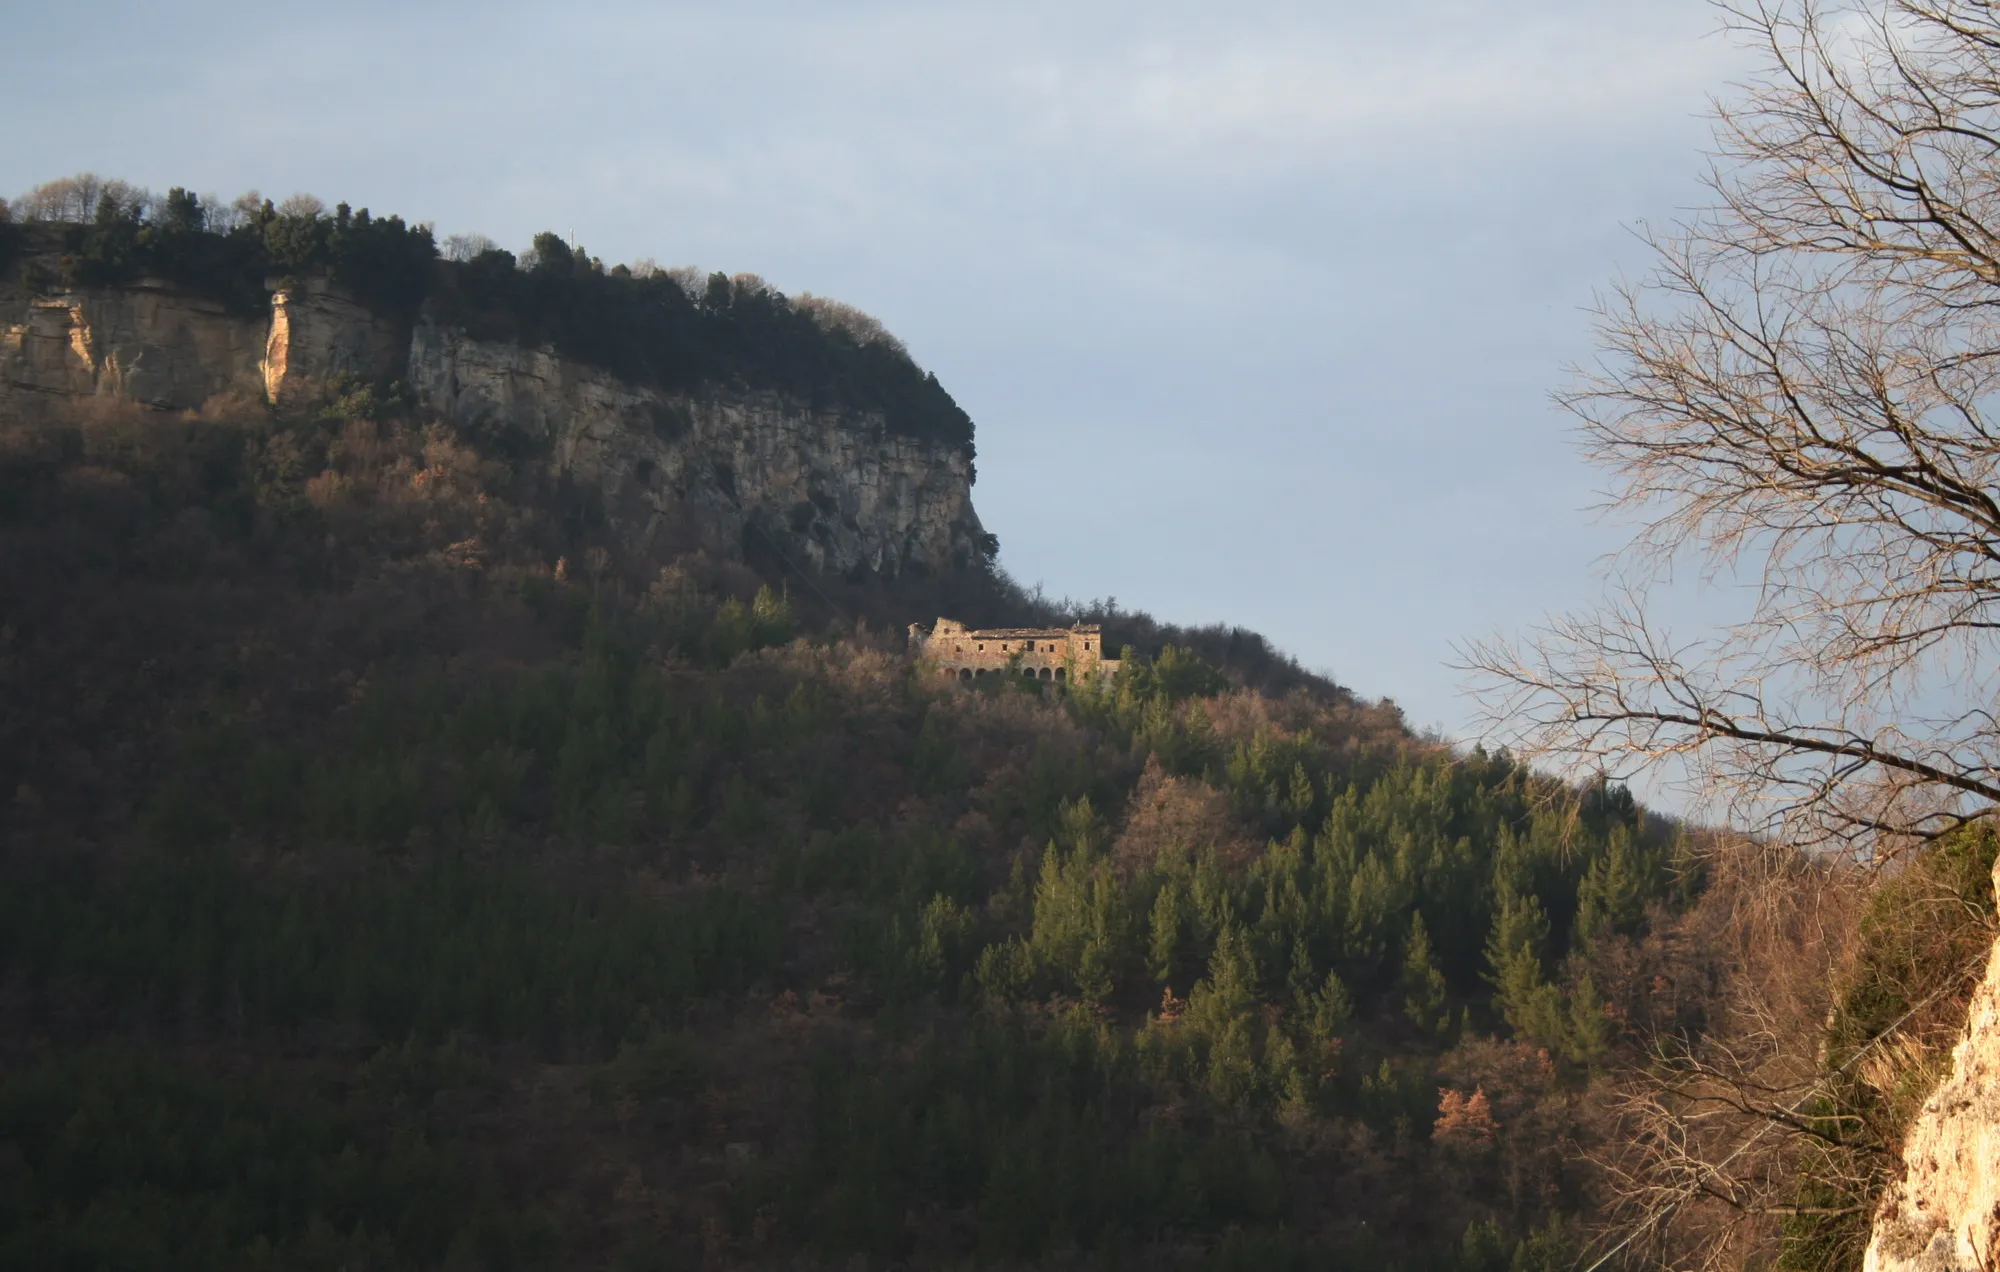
[832, 489]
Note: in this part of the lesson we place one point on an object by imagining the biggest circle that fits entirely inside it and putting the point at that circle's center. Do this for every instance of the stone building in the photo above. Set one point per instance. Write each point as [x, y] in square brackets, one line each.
[1036, 653]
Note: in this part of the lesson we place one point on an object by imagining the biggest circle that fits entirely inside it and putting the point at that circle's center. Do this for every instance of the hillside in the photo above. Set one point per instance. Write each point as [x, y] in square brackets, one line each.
[394, 877]
[407, 866]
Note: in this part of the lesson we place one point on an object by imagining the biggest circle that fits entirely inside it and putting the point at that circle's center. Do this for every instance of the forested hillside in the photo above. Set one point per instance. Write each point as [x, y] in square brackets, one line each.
[393, 881]
[399, 869]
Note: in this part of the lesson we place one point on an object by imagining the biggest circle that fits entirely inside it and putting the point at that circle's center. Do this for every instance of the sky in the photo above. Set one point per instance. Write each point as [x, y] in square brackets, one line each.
[1257, 308]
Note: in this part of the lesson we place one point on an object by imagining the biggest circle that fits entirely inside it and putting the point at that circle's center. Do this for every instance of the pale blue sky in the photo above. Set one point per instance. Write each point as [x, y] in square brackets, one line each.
[1257, 307]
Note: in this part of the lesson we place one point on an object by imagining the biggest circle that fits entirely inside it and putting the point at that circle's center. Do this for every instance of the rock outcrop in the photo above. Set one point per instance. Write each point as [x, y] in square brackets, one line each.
[1944, 1214]
[725, 468]
[317, 332]
[839, 490]
[148, 342]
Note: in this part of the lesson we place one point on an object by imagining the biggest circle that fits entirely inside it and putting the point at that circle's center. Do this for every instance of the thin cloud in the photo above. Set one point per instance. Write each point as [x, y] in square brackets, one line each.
[1317, 95]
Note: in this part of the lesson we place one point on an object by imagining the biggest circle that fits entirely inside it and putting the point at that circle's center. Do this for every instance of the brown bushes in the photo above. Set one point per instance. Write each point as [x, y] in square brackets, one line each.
[1768, 1136]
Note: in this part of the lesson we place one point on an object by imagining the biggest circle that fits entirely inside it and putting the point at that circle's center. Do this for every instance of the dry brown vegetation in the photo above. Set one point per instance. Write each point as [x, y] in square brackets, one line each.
[1766, 1137]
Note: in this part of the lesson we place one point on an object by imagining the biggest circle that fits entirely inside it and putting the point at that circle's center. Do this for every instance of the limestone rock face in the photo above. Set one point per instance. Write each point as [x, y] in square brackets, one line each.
[148, 342]
[829, 490]
[318, 332]
[1944, 1214]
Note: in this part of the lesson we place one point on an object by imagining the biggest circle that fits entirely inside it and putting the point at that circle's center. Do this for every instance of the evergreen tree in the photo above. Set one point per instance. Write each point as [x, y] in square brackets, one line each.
[1328, 1010]
[1531, 1006]
[1423, 983]
[1168, 934]
[1590, 1031]
[1220, 1016]
[1613, 894]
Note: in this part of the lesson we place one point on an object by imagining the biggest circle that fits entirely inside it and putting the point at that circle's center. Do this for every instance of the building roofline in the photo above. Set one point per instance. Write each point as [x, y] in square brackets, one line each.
[1007, 633]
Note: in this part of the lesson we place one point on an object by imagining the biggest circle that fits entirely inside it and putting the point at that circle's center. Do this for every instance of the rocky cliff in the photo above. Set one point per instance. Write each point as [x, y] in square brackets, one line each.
[723, 466]
[1944, 1214]
[147, 342]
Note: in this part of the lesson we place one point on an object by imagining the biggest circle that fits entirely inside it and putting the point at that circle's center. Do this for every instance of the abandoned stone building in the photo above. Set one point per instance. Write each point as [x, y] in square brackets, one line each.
[1054, 654]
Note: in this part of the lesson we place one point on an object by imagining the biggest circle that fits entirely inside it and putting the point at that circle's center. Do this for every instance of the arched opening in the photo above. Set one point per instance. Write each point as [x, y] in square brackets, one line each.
[965, 673]
[1047, 674]
[1061, 674]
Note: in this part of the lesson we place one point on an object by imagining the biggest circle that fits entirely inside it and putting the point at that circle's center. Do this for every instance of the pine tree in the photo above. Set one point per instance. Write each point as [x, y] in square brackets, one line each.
[1302, 979]
[1299, 796]
[1168, 932]
[1371, 903]
[1221, 1015]
[1590, 1028]
[1328, 1010]
[1531, 1006]
[1423, 984]
[1613, 894]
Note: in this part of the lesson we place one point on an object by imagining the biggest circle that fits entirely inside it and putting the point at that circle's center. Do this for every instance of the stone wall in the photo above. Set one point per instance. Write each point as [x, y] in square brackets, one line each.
[1055, 654]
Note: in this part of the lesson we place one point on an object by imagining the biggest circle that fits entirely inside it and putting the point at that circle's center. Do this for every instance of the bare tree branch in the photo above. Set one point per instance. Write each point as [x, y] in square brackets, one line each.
[1799, 396]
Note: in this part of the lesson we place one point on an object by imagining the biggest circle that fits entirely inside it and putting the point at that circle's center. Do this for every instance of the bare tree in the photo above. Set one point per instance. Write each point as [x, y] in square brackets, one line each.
[463, 247]
[78, 199]
[1799, 395]
[1711, 1145]
[125, 200]
[71, 199]
[247, 207]
[303, 205]
[834, 315]
[691, 279]
[1799, 398]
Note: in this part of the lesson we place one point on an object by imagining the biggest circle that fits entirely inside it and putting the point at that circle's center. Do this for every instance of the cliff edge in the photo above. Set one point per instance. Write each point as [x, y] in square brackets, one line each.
[721, 462]
[1944, 1214]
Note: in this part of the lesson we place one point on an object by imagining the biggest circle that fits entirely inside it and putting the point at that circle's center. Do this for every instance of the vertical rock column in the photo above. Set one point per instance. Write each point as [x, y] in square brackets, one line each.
[318, 332]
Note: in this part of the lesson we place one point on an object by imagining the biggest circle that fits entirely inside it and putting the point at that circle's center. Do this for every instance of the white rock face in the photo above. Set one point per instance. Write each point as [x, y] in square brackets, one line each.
[1944, 1214]
[830, 490]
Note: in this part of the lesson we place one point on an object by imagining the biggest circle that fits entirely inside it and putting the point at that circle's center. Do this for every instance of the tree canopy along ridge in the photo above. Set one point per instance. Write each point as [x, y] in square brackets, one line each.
[657, 328]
